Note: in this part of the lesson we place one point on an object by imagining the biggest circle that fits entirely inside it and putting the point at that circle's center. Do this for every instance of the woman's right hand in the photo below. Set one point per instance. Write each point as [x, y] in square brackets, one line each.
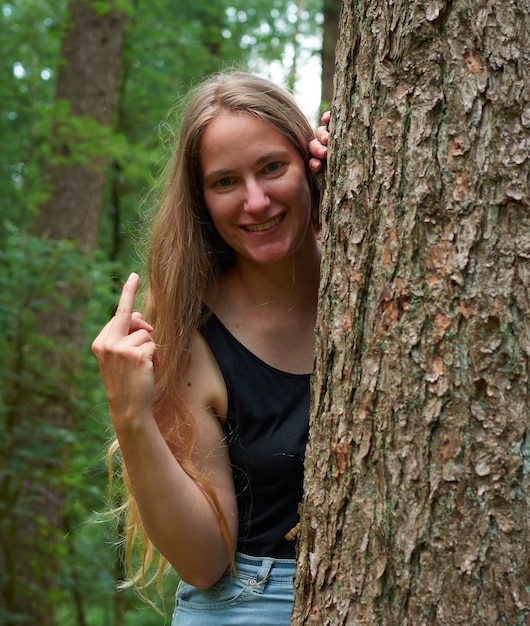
[126, 355]
[175, 513]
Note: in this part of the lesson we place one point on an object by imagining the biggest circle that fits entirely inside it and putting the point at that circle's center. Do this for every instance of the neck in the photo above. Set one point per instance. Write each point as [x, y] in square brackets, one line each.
[287, 283]
[285, 286]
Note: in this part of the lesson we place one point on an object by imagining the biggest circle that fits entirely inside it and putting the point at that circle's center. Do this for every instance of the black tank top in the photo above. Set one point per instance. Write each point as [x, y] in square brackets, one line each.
[266, 429]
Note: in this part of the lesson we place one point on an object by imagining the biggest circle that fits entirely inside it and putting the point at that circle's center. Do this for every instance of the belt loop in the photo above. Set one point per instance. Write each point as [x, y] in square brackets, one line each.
[263, 574]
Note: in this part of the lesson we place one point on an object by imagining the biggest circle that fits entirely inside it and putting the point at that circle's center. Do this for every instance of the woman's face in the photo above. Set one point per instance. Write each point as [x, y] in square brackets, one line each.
[255, 188]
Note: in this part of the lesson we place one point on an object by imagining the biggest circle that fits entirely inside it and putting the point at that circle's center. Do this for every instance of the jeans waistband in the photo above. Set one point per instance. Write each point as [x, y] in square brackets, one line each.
[264, 568]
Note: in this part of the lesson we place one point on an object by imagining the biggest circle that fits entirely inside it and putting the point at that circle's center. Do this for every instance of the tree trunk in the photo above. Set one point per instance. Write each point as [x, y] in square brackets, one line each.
[91, 52]
[88, 80]
[331, 12]
[416, 508]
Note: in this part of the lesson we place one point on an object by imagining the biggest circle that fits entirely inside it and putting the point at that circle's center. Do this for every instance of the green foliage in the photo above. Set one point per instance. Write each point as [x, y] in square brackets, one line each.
[36, 280]
[81, 139]
[102, 7]
[30, 33]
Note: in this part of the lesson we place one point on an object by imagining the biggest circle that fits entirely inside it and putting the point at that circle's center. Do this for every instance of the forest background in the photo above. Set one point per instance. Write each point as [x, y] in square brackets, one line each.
[58, 547]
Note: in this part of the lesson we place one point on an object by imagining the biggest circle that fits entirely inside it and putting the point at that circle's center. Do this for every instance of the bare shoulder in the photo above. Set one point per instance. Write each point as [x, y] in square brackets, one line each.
[203, 386]
[204, 395]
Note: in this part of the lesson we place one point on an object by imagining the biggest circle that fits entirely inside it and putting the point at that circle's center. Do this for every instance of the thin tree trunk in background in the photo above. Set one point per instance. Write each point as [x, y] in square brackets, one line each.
[88, 81]
[417, 490]
[331, 11]
[91, 51]
[292, 76]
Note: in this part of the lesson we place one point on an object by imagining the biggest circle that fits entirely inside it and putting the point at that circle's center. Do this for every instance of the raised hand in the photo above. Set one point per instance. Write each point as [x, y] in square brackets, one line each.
[126, 355]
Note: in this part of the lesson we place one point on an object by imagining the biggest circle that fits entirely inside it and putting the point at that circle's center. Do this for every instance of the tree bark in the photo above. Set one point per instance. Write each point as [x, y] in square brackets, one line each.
[417, 489]
[87, 80]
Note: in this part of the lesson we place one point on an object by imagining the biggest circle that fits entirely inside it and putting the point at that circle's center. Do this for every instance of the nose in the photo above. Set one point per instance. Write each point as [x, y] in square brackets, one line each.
[256, 197]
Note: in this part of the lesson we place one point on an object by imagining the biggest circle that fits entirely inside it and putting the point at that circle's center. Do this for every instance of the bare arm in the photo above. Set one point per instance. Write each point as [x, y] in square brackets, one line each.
[176, 515]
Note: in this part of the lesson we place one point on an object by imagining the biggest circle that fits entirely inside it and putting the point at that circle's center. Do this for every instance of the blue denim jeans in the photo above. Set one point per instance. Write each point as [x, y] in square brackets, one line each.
[260, 594]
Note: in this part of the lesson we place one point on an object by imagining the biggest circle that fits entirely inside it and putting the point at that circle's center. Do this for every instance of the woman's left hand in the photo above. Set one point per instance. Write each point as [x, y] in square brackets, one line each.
[318, 146]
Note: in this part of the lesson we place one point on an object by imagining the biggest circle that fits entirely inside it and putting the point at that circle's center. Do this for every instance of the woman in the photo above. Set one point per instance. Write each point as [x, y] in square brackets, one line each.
[210, 397]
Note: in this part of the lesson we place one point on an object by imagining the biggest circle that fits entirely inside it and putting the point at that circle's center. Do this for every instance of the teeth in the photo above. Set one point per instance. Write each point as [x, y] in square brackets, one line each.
[256, 228]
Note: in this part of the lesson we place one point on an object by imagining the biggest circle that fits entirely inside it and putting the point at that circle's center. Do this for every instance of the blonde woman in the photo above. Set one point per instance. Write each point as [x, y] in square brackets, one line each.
[209, 394]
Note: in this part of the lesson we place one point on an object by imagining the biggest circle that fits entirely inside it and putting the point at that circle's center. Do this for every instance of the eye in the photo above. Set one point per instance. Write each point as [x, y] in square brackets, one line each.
[224, 183]
[272, 168]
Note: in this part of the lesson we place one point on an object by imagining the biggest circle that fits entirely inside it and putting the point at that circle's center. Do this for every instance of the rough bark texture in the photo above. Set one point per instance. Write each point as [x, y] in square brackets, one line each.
[88, 78]
[417, 490]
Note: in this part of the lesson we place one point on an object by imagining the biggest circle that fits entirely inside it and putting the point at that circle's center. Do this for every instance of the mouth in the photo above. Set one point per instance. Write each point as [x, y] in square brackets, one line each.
[258, 228]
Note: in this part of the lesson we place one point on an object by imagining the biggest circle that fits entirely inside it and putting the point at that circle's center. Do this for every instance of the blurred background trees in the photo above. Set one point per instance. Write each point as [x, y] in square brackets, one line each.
[85, 91]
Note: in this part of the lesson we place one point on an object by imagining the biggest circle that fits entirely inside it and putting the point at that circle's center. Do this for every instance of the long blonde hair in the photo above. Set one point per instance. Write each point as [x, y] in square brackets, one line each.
[186, 255]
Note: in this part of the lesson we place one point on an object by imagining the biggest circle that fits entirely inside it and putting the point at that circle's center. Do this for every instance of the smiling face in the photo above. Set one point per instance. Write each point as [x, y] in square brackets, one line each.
[255, 188]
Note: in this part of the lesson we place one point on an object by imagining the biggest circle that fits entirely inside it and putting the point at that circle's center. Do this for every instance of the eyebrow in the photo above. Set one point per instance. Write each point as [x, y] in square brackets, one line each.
[273, 155]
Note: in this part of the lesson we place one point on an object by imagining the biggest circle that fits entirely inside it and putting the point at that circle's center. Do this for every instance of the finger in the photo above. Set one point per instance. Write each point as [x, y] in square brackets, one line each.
[120, 323]
[104, 333]
[326, 116]
[128, 293]
[322, 135]
[133, 352]
[137, 323]
[137, 339]
[136, 333]
[318, 150]
[315, 165]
